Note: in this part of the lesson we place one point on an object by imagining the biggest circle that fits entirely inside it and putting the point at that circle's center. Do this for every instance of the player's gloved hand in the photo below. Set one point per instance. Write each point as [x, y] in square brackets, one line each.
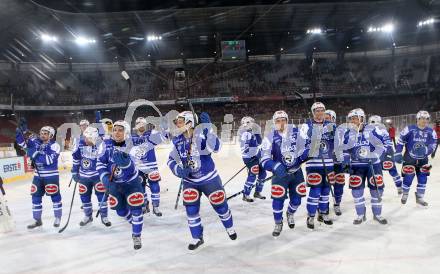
[75, 177]
[279, 170]
[346, 165]
[121, 159]
[106, 181]
[420, 151]
[182, 172]
[398, 158]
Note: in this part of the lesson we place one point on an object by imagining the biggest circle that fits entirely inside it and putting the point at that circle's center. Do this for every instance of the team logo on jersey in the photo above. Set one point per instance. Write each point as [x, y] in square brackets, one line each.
[314, 179]
[82, 189]
[331, 177]
[99, 187]
[426, 168]
[324, 146]
[135, 199]
[340, 178]
[85, 163]
[379, 180]
[51, 189]
[288, 158]
[154, 176]
[192, 164]
[301, 189]
[355, 181]
[362, 152]
[255, 169]
[387, 165]
[278, 191]
[217, 197]
[33, 189]
[112, 201]
[190, 195]
[408, 169]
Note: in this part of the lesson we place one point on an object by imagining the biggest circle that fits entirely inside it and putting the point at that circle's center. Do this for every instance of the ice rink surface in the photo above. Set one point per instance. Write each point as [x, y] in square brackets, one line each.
[410, 243]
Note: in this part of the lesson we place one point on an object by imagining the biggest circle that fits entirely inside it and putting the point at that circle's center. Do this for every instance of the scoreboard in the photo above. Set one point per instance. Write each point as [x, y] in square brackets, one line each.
[232, 50]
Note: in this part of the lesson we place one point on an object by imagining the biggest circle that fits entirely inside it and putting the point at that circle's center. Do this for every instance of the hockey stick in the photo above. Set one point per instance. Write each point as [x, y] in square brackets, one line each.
[379, 197]
[71, 206]
[238, 172]
[106, 192]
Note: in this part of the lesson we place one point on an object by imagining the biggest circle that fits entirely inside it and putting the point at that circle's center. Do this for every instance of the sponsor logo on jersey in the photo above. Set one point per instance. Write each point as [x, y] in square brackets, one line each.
[379, 180]
[82, 189]
[100, 187]
[278, 191]
[331, 177]
[408, 169]
[355, 181]
[255, 169]
[387, 165]
[154, 176]
[112, 201]
[136, 199]
[425, 168]
[301, 189]
[33, 189]
[340, 178]
[190, 195]
[217, 197]
[51, 189]
[314, 179]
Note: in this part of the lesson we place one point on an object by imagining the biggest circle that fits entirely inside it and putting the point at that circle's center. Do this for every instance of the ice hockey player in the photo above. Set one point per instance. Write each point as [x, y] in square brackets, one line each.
[339, 181]
[250, 141]
[83, 124]
[387, 158]
[419, 141]
[281, 157]
[43, 152]
[363, 156]
[319, 136]
[118, 172]
[145, 141]
[191, 160]
[84, 172]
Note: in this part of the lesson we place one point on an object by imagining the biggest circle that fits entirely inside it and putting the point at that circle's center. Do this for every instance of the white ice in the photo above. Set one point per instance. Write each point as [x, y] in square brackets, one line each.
[410, 243]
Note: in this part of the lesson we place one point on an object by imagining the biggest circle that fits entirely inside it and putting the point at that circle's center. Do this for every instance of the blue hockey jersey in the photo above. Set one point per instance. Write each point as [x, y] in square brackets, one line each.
[249, 144]
[143, 150]
[418, 143]
[84, 161]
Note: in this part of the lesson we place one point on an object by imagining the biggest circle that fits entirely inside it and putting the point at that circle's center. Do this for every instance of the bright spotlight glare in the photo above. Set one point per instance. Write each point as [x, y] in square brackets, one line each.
[151, 38]
[387, 28]
[314, 31]
[80, 40]
[48, 38]
[429, 21]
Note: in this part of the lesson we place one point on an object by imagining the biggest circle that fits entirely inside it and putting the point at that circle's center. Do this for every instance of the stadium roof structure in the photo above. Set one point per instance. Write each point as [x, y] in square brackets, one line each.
[194, 29]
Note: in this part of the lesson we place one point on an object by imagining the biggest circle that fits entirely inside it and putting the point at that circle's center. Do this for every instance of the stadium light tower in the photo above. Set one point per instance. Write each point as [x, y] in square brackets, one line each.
[387, 28]
[153, 37]
[427, 22]
[81, 40]
[314, 31]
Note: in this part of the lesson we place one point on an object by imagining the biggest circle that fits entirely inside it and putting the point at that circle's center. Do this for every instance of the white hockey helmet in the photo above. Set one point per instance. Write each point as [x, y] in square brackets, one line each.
[91, 134]
[332, 114]
[280, 114]
[375, 119]
[357, 112]
[423, 114]
[187, 116]
[48, 129]
[246, 121]
[84, 123]
[317, 105]
[140, 122]
[125, 125]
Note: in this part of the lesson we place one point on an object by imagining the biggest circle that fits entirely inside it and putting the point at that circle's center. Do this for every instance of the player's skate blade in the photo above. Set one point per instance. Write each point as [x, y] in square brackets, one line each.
[290, 220]
[87, 220]
[247, 199]
[277, 230]
[381, 220]
[337, 209]
[157, 212]
[421, 201]
[232, 234]
[57, 222]
[105, 221]
[137, 242]
[404, 198]
[359, 219]
[257, 195]
[325, 219]
[37, 223]
[311, 222]
[195, 244]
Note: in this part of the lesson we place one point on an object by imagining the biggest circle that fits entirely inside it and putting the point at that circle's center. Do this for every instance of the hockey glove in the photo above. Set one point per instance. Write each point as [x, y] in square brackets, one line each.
[398, 158]
[121, 159]
[75, 177]
[182, 172]
[106, 181]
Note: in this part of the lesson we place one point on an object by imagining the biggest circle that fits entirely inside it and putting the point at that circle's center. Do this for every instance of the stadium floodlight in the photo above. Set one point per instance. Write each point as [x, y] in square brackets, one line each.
[429, 21]
[81, 40]
[387, 28]
[151, 38]
[314, 31]
[48, 38]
